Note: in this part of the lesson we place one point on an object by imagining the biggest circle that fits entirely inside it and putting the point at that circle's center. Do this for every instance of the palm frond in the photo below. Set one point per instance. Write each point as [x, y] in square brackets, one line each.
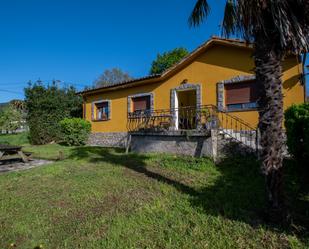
[199, 13]
[284, 23]
[230, 22]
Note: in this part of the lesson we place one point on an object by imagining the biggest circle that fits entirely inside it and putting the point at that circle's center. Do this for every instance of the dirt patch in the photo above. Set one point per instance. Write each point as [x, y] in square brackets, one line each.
[156, 173]
[124, 202]
[13, 165]
[74, 217]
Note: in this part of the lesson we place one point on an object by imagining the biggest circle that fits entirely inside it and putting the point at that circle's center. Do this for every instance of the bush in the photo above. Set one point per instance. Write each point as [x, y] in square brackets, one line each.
[10, 119]
[75, 131]
[47, 106]
[297, 127]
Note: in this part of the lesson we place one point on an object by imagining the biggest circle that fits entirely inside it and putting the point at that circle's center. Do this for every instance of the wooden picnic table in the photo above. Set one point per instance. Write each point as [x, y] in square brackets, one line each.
[7, 151]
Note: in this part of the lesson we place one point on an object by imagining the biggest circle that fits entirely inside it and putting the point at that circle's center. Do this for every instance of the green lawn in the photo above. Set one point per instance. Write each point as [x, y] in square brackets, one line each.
[103, 198]
[16, 139]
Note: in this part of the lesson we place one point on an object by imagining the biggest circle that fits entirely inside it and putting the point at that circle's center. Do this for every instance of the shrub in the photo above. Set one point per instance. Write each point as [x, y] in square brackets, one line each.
[10, 119]
[47, 106]
[297, 127]
[75, 131]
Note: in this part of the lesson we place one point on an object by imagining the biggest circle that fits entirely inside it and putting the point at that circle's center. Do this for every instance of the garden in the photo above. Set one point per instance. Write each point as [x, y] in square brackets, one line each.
[94, 197]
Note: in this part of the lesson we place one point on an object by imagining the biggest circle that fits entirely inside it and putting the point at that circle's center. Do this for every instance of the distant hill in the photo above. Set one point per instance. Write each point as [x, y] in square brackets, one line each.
[2, 105]
[20, 104]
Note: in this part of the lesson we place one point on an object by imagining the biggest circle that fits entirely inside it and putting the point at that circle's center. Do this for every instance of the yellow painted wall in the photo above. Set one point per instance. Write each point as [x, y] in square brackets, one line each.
[216, 64]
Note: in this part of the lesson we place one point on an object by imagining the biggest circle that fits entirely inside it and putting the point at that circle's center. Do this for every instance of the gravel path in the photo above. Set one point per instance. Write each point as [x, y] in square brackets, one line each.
[14, 165]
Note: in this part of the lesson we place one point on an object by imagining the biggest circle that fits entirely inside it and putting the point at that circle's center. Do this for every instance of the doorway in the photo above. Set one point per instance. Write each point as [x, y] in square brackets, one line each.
[186, 102]
[186, 98]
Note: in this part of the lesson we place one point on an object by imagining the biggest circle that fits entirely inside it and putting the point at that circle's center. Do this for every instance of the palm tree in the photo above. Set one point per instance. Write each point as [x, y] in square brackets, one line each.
[276, 27]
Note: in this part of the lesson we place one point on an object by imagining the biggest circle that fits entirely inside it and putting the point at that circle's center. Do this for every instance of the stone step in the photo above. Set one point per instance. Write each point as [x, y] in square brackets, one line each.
[247, 138]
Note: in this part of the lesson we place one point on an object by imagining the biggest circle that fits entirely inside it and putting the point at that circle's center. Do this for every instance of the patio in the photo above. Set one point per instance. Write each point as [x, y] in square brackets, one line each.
[14, 165]
[13, 158]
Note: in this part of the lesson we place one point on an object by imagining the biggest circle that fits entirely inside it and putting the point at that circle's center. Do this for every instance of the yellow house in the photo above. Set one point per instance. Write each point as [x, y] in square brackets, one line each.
[217, 77]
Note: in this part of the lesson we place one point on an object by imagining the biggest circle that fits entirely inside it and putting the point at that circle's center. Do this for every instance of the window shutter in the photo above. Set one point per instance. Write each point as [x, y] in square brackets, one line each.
[237, 93]
[141, 103]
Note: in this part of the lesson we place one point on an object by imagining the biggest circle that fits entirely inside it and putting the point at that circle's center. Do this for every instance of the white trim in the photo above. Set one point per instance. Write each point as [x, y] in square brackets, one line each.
[176, 111]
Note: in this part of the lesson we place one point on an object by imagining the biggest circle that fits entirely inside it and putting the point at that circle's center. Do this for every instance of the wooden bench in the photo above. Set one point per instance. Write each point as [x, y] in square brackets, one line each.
[8, 152]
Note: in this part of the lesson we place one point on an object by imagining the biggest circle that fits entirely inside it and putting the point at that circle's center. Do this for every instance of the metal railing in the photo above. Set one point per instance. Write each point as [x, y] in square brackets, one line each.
[238, 130]
[197, 120]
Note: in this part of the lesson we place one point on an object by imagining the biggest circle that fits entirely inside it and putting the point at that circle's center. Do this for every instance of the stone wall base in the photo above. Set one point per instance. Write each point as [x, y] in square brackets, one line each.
[197, 146]
[108, 139]
[213, 144]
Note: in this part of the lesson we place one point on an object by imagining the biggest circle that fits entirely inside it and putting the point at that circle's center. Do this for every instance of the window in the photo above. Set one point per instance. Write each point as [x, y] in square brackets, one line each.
[101, 110]
[141, 104]
[241, 96]
[245, 106]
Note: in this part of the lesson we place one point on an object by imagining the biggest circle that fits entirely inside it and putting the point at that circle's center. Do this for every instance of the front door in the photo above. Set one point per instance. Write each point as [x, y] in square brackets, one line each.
[186, 111]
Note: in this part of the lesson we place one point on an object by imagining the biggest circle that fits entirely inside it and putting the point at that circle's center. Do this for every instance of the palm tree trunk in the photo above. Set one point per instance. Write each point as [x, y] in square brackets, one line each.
[268, 74]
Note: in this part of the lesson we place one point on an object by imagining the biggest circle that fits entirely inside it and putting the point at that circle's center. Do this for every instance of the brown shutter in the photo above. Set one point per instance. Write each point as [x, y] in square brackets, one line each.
[239, 93]
[141, 103]
[102, 105]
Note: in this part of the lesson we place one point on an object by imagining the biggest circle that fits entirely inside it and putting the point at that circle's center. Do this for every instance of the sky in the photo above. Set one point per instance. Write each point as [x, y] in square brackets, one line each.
[74, 41]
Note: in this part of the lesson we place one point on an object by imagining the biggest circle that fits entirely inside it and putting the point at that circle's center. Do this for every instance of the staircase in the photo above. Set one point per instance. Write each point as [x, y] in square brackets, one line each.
[236, 129]
[195, 120]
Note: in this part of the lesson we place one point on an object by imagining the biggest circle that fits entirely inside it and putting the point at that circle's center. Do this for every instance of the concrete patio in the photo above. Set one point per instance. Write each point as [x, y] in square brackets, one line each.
[17, 165]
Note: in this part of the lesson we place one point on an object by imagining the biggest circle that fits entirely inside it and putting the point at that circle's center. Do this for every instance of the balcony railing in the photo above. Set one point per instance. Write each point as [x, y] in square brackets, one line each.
[197, 120]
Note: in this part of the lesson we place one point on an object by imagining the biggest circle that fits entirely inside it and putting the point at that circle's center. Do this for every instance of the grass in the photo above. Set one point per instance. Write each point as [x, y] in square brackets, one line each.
[49, 151]
[16, 139]
[103, 198]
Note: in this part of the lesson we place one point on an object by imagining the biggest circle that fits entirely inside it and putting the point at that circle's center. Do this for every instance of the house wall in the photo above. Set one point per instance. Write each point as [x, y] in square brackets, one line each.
[217, 63]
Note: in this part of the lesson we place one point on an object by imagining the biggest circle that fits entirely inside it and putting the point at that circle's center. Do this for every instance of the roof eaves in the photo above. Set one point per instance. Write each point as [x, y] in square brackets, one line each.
[121, 83]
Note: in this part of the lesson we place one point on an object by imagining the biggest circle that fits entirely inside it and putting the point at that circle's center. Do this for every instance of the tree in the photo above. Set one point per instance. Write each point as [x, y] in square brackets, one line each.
[276, 28]
[113, 76]
[167, 59]
[18, 104]
[46, 107]
[10, 119]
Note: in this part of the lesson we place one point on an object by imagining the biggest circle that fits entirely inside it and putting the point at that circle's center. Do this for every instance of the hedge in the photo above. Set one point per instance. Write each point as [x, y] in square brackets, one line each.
[46, 107]
[297, 129]
[75, 131]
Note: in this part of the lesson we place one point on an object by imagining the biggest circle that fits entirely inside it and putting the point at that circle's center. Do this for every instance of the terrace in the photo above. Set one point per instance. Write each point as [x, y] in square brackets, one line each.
[193, 121]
